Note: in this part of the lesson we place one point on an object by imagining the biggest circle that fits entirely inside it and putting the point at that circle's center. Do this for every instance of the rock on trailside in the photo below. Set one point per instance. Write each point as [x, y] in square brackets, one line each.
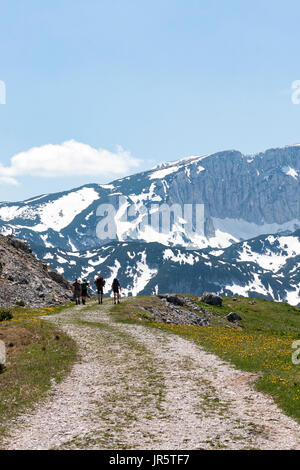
[142, 388]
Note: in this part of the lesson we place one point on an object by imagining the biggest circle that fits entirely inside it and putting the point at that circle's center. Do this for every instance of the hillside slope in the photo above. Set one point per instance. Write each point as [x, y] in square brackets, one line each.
[24, 278]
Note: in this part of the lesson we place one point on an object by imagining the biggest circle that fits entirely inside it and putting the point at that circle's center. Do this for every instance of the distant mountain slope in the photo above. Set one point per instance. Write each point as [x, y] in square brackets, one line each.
[265, 266]
[24, 278]
[244, 196]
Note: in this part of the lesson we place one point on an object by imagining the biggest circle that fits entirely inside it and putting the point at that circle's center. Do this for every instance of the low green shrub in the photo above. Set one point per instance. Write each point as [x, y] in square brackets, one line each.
[5, 314]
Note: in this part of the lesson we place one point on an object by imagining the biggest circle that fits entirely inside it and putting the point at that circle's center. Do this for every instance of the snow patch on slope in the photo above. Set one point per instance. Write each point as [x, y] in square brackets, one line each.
[272, 260]
[289, 171]
[181, 258]
[162, 173]
[253, 286]
[142, 275]
[293, 296]
[60, 213]
[56, 214]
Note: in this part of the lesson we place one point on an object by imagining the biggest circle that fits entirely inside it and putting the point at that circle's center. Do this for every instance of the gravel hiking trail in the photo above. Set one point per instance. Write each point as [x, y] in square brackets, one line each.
[135, 387]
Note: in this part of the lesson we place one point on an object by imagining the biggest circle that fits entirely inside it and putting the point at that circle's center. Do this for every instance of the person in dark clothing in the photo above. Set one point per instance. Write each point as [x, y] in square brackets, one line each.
[100, 283]
[76, 286]
[84, 290]
[116, 288]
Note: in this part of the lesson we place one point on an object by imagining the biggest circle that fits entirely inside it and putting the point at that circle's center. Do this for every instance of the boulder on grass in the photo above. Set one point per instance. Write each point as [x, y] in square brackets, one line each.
[172, 299]
[233, 317]
[211, 299]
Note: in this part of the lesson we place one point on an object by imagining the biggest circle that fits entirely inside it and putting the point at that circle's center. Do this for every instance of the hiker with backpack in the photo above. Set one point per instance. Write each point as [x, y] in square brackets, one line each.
[116, 288]
[100, 283]
[84, 290]
[76, 287]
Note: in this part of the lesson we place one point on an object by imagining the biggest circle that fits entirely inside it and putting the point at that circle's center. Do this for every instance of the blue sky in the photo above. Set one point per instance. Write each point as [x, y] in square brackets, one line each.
[162, 79]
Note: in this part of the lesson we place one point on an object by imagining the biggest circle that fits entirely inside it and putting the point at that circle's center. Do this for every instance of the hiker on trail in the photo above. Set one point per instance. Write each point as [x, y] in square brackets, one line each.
[116, 288]
[84, 290]
[100, 283]
[76, 291]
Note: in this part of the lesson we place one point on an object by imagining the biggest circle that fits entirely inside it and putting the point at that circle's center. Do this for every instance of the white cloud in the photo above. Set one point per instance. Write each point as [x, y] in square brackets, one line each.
[8, 180]
[70, 158]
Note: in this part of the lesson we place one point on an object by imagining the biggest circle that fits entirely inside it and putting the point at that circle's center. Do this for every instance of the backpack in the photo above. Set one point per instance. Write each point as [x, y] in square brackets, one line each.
[77, 286]
[84, 286]
[100, 282]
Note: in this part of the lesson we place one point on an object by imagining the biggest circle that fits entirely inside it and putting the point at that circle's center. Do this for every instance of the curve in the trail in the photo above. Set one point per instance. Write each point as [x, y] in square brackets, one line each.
[143, 388]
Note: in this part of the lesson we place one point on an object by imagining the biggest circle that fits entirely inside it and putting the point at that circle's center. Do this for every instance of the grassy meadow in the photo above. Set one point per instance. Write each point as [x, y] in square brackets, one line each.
[37, 354]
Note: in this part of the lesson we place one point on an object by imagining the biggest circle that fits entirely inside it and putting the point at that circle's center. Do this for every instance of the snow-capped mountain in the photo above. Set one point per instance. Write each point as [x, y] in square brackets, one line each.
[265, 266]
[247, 244]
[243, 197]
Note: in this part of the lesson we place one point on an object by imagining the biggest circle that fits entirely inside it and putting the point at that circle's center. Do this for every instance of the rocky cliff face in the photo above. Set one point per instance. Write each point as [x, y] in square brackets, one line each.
[23, 278]
[243, 196]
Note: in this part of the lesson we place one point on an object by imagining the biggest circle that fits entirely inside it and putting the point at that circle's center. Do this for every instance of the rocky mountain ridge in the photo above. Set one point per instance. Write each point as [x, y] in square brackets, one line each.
[243, 196]
[249, 244]
[266, 266]
[25, 279]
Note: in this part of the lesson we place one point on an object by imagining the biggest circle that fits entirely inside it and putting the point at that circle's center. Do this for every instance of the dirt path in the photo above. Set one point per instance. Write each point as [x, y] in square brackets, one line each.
[141, 388]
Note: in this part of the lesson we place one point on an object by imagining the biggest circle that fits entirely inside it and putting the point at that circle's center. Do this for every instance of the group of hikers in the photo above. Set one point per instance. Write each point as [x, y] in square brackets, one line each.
[81, 290]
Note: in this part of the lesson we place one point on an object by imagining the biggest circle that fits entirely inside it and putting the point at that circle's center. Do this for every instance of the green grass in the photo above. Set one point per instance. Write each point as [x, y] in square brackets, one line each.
[27, 376]
[263, 315]
[21, 314]
[264, 346]
[132, 309]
